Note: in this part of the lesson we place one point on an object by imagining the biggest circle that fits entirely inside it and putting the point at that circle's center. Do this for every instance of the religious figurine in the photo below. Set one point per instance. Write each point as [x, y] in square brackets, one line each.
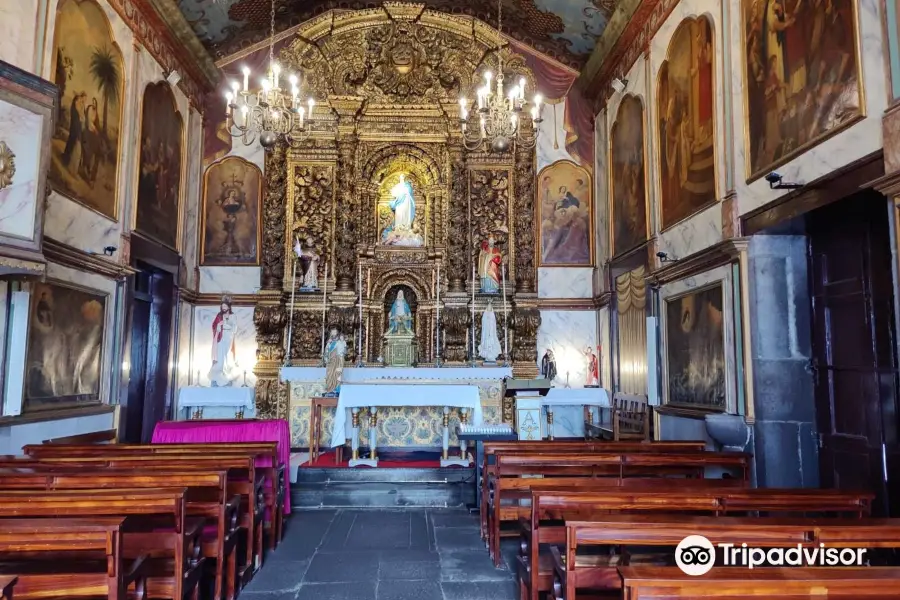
[224, 371]
[400, 319]
[335, 351]
[548, 365]
[309, 263]
[489, 348]
[403, 205]
[489, 259]
[593, 367]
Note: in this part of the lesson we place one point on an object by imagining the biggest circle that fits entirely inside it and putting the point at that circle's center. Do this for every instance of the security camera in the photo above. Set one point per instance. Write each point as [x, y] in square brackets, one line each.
[619, 85]
[109, 250]
[173, 77]
[664, 257]
[774, 178]
[776, 182]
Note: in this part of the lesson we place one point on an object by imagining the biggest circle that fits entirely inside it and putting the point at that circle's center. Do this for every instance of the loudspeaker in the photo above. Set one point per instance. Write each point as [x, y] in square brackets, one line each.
[173, 78]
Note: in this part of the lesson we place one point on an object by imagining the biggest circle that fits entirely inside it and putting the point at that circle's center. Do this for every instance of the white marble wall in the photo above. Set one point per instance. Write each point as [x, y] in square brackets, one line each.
[567, 332]
[230, 280]
[22, 131]
[245, 342]
[19, 32]
[565, 282]
[182, 358]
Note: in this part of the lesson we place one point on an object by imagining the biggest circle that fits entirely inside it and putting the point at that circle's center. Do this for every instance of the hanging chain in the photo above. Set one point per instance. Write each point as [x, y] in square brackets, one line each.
[272, 36]
[499, 39]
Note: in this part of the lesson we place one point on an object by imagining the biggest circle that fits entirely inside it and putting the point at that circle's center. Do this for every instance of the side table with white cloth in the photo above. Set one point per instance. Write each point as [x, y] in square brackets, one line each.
[586, 398]
[355, 396]
[224, 402]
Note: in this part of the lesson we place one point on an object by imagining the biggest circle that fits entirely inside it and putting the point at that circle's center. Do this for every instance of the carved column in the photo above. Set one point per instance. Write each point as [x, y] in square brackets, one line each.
[458, 226]
[348, 230]
[269, 315]
[524, 221]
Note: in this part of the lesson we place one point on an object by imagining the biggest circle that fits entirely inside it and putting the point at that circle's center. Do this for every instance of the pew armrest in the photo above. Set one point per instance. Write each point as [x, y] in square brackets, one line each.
[134, 572]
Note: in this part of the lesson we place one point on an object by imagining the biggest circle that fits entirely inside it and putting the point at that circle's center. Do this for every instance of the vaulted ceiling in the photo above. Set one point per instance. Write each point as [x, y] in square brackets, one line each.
[565, 30]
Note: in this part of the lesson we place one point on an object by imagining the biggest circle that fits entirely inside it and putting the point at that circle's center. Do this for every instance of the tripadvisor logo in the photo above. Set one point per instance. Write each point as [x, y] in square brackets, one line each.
[695, 555]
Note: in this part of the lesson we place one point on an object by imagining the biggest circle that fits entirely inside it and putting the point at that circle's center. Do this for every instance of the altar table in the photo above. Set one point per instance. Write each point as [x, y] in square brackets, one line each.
[211, 432]
[423, 374]
[240, 400]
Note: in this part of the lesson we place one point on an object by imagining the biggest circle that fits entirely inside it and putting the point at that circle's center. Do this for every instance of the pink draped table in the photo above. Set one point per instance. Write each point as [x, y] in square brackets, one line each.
[222, 432]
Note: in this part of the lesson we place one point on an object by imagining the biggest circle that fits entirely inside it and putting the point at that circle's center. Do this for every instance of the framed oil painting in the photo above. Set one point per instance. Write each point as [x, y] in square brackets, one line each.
[565, 214]
[695, 349]
[686, 123]
[159, 170]
[232, 190]
[802, 74]
[65, 347]
[628, 177]
[90, 74]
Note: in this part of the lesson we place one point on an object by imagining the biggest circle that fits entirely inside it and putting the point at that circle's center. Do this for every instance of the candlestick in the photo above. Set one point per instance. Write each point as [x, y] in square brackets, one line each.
[473, 312]
[359, 333]
[198, 377]
[437, 322]
[505, 316]
[324, 299]
[245, 377]
[369, 282]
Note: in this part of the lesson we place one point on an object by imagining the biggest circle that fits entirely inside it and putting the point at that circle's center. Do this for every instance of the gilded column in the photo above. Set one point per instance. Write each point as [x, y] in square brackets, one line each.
[524, 222]
[348, 230]
[458, 226]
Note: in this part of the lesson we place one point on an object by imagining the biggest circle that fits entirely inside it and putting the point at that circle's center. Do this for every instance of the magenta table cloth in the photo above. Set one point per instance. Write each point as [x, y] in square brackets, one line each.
[222, 432]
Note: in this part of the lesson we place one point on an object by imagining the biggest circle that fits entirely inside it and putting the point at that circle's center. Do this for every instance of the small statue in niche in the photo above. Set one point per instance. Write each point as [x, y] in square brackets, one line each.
[400, 318]
[309, 264]
[489, 260]
[548, 365]
[593, 367]
[489, 348]
[335, 351]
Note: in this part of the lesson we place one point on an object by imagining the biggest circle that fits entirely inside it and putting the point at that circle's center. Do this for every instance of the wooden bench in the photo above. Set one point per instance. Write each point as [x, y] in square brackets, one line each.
[574, 571]
[206, 497]
[266, 453]
[7, 584]
[627, 419]
[669, 583]
[106, 436]
[510, 468]
[243, 480]
[40, 553]
[156, 527]
[550, 507]
[492, 449]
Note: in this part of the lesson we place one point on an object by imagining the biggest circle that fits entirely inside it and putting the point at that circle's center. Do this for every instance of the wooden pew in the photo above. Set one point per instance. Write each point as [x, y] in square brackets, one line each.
[548, 507]
[268, 451]
[669, 583]
[30, 550]
[156, 527]
[207, 497]
[649, 530]
[510, 468]
[107, 436]
[491, 449]
[243, 480]
[7, 583]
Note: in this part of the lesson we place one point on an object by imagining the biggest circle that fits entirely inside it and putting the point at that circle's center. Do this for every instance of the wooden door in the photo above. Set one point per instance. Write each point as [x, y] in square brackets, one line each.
[853, 356]
[140, 331]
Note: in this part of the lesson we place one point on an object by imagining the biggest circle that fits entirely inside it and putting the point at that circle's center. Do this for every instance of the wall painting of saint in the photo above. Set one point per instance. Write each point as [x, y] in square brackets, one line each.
[565, 195]
[686, 125]
[232, 189]
[65, 342]
[89, 72]
[802, 75]
[628, 177]
[159, 172]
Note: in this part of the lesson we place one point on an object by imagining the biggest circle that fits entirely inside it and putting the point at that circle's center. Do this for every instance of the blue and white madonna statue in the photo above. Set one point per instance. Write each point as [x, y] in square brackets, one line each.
[403, 205]
[400, 319]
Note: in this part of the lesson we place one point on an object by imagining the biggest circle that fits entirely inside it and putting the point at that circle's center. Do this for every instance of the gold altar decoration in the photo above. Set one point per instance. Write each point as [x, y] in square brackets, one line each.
[392, 77]
[399, 349]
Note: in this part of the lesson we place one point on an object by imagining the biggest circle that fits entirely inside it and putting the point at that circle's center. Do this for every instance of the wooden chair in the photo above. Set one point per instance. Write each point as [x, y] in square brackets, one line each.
[315, 427]
[7, 583]
[627, 419]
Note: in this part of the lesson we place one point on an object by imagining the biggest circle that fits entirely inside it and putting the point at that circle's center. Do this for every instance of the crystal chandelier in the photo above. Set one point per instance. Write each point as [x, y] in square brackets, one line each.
[498, 110]
[272, 112]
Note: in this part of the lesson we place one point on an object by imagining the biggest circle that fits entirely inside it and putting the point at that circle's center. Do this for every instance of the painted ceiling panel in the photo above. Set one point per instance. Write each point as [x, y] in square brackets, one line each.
[566, 30]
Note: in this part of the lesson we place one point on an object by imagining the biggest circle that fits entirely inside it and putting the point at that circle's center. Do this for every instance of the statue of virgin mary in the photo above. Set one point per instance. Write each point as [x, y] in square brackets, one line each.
[403, 205]
[400, 319]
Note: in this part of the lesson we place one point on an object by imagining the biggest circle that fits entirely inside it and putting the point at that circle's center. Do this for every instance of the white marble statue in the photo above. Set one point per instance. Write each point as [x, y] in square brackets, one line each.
[400, 319]
[335, 351]
[489, 348]
[225, 370]
[309, 265]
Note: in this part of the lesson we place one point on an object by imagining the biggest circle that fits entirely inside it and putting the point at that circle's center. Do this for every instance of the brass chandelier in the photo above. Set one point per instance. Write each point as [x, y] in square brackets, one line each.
[499, 110]
[272, 112]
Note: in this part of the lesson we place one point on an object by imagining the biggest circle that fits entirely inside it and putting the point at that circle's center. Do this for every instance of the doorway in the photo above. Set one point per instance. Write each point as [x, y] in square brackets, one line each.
[854, 360]
[151, 327]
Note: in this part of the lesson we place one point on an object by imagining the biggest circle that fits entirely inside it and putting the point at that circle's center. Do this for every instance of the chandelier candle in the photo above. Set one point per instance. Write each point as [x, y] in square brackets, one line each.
[505, 316]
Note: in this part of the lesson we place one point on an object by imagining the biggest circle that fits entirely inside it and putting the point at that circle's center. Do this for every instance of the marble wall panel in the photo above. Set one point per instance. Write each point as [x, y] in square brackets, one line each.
[551, 144]
[601, 201]
[568, 332]
[71, 223]
[18, 33]
[185, 335]
[231, 280]
[692, 235]
[22, 131]
[605, 348]
[191, 207]
[567, 282]
[245, 343]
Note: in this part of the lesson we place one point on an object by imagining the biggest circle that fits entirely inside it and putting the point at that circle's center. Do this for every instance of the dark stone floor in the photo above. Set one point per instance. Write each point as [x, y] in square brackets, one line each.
[413, 554]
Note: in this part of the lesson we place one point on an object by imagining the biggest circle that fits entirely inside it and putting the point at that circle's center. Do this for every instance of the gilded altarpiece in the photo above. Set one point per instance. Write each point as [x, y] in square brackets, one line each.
[392, 77]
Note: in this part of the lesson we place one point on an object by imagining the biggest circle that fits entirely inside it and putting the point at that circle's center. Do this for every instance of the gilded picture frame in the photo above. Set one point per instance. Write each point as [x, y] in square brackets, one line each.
[564, 176]
[614, 251]
[109, 69]
[253, 208]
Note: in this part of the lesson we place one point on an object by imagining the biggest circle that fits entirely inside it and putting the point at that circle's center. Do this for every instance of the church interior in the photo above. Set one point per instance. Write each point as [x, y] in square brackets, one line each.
[434, 299]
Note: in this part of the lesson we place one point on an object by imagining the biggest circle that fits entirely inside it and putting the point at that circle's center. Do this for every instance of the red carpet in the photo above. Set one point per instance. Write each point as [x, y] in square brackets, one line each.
[326, 460]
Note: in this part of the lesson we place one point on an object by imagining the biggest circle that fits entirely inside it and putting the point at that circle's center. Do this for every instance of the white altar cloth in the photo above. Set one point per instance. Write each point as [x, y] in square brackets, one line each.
[232, 398]
[576, 397]
[424, 374]
[409, 394]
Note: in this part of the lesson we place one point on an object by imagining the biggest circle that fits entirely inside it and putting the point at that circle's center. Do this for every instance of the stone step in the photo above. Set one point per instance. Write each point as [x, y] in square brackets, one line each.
[369, 494]
[385, 475]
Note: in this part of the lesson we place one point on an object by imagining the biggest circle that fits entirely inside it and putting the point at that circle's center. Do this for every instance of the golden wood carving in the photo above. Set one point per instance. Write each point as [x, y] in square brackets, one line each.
[273, 219]
[490, 190]
[525, 222]
[310, 210]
